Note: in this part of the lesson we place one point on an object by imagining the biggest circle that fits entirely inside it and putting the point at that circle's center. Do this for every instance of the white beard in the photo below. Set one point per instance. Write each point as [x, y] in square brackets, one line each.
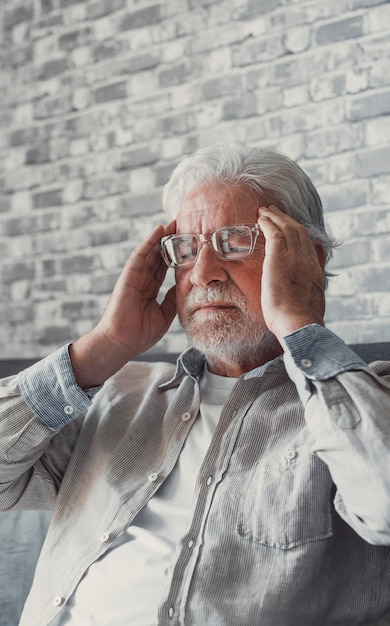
[231, 335]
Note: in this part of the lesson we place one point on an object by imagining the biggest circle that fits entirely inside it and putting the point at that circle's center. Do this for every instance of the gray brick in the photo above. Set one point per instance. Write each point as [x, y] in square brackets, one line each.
[23, 136]
[175, 74]
[259, 51]
[227, 85]
[107, 49]
[26, 224]
[115, 91]
[257, 79]
[177, 123]
[19, 314]
[55, 335]
[142, 204]
[369, 105]
[352, 308]
[104, 186]
[53, 67]
[17, 270]
[48, 267]
[362, 4]
[38, 154]
[108, 234]
[238, 108]
[49, 107]
[80, 309]
[373, 162]
[374, 278]
[56, 285]
[255, 7]
[353, 253]
[45, 199]
[4, 204]
[49, 21]
[23, 13]
[341, 30]
[66, 3]
[104, 7]
[345, 196]
[78, 263]
[142, 17]
[47, 5]
[194, 4]
[74, 39]
[138, 157]
[138, 63]
[163, 173]
[103, 283]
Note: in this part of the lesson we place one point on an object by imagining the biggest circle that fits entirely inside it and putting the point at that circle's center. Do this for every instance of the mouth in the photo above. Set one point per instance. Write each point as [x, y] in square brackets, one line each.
[212, 306]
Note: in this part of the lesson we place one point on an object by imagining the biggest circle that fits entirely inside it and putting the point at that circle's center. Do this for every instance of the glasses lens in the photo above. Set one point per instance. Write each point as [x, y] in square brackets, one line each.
[234, 242]
[180, 250]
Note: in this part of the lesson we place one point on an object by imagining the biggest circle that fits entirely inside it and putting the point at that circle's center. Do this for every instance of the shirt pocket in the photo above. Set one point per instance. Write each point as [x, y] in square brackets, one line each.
[287, 502]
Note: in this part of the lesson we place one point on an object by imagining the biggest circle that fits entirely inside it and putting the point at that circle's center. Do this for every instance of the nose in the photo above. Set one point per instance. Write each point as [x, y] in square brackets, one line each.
[208, 268]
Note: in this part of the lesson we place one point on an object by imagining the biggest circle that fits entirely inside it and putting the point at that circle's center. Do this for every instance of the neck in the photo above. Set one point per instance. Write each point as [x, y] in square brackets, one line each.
[233, 367]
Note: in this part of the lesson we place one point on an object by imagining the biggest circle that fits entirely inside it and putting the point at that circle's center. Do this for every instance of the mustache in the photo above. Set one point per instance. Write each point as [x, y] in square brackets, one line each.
[230, 294]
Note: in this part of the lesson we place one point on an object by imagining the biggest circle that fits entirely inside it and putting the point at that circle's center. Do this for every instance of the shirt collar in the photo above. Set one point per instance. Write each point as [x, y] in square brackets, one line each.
[192, 362]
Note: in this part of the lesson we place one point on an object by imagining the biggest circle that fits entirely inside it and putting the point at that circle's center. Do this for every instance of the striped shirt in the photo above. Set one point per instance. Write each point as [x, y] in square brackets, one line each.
[290, 521]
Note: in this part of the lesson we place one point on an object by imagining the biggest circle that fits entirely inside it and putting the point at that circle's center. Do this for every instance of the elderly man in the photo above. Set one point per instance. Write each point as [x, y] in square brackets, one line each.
[247, 486]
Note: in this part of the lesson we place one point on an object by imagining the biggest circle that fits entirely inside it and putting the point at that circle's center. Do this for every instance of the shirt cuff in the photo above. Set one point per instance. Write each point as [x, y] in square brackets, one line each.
[49, 388]
[319, 353]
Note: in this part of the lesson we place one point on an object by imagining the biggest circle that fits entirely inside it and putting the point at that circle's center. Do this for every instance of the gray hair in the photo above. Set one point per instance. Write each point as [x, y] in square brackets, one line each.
[274, 176]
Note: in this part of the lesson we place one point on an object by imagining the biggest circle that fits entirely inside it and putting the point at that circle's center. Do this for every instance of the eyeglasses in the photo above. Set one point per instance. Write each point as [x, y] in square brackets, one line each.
[229, 243]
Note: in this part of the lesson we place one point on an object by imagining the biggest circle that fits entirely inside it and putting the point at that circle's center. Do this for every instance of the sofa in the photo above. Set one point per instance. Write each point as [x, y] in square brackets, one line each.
[22, 532]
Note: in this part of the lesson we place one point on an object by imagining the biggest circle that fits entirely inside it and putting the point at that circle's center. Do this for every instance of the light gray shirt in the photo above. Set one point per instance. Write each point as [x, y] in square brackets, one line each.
[291, 517]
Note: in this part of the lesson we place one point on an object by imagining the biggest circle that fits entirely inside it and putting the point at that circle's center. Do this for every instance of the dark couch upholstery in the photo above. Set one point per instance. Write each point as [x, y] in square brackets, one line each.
[22, 532]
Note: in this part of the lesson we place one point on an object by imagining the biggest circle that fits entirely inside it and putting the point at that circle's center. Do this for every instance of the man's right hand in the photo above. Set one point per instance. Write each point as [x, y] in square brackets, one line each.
[133, 320]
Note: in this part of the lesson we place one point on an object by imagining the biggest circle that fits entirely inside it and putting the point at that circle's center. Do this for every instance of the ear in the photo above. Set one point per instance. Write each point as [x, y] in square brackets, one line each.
[321, 254]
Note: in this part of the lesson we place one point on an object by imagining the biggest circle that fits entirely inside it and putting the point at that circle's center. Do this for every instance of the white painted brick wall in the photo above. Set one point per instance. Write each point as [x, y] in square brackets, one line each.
[101, 98]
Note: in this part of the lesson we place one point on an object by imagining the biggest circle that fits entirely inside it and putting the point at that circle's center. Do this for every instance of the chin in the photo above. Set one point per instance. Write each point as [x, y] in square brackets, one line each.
[232, 346]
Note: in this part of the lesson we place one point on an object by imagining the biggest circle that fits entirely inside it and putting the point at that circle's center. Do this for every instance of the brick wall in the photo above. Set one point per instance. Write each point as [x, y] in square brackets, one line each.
[101, 98]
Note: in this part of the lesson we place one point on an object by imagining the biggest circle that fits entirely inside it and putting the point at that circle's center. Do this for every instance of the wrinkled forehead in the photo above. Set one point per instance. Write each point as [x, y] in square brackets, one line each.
[217, 204]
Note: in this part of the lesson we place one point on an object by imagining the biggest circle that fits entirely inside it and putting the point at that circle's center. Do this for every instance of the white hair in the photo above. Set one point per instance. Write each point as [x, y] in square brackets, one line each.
[274, 176]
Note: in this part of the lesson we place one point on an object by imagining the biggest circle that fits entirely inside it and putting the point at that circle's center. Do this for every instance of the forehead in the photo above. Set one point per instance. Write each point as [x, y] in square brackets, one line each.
[217, 204]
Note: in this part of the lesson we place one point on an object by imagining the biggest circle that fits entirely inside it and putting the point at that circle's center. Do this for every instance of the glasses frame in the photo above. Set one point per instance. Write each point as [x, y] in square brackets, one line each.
[202, 239]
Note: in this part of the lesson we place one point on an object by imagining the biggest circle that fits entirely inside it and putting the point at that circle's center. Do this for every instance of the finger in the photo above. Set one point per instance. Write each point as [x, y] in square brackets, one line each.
[170, 229]
[274, 236]
[294, 233]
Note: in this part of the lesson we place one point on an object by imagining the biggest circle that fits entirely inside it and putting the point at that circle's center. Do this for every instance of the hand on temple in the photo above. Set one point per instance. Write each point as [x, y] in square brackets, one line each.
[133, 320]
[292, 289]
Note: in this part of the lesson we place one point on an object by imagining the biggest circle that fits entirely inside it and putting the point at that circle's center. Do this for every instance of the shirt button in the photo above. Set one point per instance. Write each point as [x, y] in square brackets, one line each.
[186, 416]
[290, 455]
[105, 537]
[306, 363]
[209, 481]
[152, 477]
[58, 601]
[171, 611]
[68, 409]
[190, 543]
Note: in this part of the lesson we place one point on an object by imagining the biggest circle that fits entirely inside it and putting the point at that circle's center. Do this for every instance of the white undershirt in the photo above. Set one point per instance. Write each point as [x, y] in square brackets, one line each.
[126, 585]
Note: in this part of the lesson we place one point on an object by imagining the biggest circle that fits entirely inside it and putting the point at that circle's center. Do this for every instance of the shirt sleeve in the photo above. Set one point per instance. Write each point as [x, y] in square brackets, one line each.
[49, 388]
[347, 411]
[319, 353]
